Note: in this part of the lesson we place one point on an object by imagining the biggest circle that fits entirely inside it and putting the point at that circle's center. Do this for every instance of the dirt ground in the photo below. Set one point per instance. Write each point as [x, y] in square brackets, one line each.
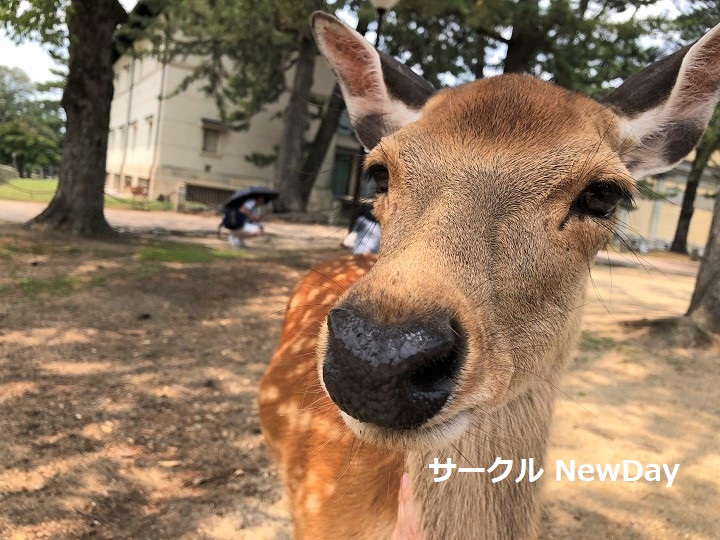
[128, 375]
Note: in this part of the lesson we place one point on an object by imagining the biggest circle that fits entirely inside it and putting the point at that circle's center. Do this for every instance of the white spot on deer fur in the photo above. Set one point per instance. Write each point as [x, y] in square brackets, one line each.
[287, 410]
[270, 393]
[329, 429]
[300, 370]
[330, 488]
[305, 419]
[312, 503]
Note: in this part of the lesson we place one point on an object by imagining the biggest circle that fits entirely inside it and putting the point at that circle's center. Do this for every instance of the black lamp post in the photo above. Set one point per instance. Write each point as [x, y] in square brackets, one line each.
[382, 7]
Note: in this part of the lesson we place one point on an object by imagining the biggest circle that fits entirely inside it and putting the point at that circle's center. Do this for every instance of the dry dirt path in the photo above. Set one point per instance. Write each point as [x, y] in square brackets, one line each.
[284, 235]
[280, 235]
[128, 375]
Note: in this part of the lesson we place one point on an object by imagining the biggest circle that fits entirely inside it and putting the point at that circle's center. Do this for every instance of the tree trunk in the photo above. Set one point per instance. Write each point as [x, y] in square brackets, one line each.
[78, 203]
[704, 150]
[295, 122]
[705, 304]
[324, 136]
[525, 39]
[478, 70]
[320, 145]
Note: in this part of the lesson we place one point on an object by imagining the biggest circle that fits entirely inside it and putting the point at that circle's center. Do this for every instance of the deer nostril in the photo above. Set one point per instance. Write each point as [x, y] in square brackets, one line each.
[438, 374]
[389, 376]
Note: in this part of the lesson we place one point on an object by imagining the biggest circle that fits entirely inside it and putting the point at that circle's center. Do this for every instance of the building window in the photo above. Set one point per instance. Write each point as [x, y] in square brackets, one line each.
[126, 75]
[211, 141]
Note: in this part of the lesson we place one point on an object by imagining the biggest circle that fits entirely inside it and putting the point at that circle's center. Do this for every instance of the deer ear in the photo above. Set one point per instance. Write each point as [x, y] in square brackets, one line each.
[665, 108]
[381, 94]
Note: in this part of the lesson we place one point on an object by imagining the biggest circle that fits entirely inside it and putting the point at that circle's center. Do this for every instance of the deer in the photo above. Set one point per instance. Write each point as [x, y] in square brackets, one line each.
[139, 191]
[493, 198]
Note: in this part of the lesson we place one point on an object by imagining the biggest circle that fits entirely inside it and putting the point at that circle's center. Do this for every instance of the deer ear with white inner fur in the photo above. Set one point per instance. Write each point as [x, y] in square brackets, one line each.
[381, 94]
[665, 108]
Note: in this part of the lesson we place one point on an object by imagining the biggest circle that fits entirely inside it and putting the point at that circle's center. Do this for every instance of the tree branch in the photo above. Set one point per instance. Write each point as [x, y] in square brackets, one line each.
[492, 34]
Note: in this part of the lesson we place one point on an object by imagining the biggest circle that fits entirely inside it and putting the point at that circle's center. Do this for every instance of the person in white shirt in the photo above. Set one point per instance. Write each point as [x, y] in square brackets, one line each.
[364, 234]
[367, 239]
[252, 226]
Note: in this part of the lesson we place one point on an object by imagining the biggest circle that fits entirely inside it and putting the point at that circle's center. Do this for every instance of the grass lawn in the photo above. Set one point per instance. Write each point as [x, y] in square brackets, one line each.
[177, 252]
[35, 190]
[23, 189]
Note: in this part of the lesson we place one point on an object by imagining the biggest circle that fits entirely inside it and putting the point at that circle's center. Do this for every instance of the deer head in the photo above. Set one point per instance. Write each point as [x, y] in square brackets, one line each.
[494, 198]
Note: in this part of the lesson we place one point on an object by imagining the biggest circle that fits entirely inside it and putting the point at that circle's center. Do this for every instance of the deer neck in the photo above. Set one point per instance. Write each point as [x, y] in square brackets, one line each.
[469, 504]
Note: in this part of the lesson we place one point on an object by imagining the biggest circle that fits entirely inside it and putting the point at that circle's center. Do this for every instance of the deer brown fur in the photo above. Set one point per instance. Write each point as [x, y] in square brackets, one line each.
[490, 227]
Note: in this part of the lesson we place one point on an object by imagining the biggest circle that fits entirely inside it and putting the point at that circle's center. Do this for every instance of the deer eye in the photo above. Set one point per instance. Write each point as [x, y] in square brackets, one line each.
[600, 200]
[379, 175]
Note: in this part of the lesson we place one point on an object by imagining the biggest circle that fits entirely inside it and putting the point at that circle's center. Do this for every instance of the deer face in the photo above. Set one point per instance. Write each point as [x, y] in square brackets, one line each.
[487, 243]
[493, 200]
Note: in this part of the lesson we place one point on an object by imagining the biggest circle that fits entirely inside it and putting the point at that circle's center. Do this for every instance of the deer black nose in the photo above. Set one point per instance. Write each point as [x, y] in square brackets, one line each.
[388, 376]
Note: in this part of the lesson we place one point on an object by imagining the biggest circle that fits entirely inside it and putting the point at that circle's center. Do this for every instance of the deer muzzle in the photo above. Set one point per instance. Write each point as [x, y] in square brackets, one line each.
[395, 377]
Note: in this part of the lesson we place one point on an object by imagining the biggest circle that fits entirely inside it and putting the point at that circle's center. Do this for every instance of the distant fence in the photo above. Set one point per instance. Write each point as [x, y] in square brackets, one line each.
[6, 173]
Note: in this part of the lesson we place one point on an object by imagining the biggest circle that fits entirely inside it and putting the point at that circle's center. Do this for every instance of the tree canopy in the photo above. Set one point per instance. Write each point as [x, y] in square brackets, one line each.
[31, 125]
[16, 89]
[249, 48]
[581, 45]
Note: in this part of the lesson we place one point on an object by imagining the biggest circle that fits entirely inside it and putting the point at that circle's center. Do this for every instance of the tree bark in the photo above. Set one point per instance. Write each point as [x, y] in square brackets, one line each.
[295, 123]
[78, 203]
[525, 39]
[320, 145]
[324, 136]
[704, 150]
[20, 165]
[704, 307]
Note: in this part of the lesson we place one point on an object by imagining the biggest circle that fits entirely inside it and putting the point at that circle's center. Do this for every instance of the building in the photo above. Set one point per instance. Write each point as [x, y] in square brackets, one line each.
[178, 143]
[653, 222]
[166, 145]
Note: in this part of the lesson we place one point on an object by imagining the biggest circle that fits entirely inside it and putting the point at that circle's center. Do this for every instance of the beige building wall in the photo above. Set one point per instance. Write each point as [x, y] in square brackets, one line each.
[655, 221]
[159, 143]
[134, 123]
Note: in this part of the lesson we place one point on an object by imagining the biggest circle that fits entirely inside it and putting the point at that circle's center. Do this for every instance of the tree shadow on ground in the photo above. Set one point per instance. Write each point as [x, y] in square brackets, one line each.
[127, 406]
[127, 403]
[636, 398]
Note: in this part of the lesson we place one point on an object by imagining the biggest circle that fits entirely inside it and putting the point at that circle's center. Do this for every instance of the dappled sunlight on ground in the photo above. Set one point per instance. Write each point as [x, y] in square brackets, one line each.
[127, 403]
[630, 398]
[129, 374]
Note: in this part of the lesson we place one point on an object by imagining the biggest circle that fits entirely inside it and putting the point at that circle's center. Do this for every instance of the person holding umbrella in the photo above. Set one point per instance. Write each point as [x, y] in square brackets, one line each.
[241, 216]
